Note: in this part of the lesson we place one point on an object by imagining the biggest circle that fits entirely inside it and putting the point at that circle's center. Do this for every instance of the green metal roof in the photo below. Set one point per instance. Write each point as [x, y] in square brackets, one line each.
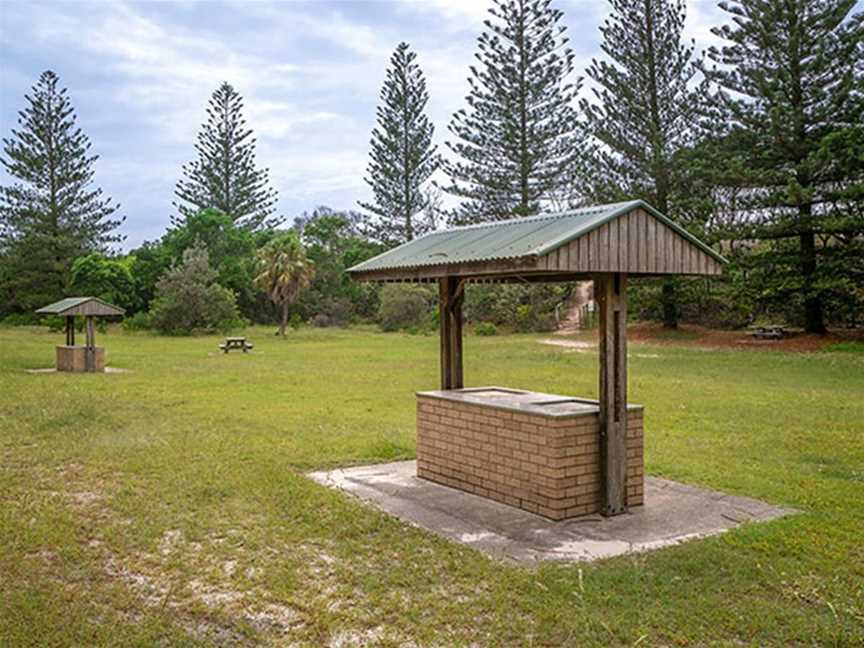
[70, 303]
[511, 239]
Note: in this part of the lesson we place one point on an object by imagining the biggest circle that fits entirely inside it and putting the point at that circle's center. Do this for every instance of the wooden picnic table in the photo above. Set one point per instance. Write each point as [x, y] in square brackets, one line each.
[770, 332]
[236, 344]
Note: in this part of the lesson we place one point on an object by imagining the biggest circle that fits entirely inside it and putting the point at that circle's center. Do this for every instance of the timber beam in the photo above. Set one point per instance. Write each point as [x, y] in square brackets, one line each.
[610, 292]
[451, 295]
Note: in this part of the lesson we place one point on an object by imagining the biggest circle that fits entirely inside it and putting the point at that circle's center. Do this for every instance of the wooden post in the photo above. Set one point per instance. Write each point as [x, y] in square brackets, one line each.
[90, 354]
[70, 330]
[450, 297]
[610, 291]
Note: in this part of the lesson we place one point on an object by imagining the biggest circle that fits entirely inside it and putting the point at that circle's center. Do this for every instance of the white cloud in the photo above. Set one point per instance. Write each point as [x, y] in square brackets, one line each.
[460, 13]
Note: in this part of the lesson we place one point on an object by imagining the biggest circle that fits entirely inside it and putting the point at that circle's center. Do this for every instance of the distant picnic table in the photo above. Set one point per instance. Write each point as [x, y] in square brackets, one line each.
[770, 332]
[236, 344]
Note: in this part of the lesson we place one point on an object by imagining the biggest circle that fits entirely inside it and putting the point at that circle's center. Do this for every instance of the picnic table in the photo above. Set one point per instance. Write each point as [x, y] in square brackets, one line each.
[236, 344]
[770, 332]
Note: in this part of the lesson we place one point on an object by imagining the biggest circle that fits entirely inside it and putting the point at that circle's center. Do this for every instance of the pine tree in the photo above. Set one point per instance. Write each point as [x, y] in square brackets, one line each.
[402, 156]
[790, 82]
[644, 111]
[519, 141]
[51, 213]
[225, 176]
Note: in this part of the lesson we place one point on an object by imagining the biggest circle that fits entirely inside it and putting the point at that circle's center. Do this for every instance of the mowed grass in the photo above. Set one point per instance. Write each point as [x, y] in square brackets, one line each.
[169, 505]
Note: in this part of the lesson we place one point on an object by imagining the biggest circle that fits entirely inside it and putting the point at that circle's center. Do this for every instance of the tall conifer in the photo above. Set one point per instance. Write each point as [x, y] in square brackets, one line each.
[402, 155]
[644, 110]
[791, 87]
[519, 140]
[51, 212]
[225, 176]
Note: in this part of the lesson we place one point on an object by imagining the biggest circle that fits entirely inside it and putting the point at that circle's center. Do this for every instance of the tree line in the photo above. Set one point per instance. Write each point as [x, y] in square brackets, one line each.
[756, 146]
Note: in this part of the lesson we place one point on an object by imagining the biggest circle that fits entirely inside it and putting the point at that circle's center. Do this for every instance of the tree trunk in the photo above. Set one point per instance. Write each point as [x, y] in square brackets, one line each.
[670, 308]
[813, 316]
[283, 324]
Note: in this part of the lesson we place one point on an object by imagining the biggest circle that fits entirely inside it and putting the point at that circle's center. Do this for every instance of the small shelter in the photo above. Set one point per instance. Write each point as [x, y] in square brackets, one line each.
[604, 243]
[81, 358]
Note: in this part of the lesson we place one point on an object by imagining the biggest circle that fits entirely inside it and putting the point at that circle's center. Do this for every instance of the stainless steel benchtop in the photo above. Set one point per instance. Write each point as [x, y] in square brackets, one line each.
[524, 402]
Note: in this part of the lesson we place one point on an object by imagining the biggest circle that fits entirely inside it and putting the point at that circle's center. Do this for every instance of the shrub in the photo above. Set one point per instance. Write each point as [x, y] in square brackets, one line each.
[485, 329]
[138, 322]
[525, 308]
[21, 319]
[56, 323]
[323, 320]
[405, 305]
[188, 299]
[107, 278]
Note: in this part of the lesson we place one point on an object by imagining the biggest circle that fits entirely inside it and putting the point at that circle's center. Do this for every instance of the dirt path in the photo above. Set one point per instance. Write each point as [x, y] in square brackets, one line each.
[689, 335]
[572, 321]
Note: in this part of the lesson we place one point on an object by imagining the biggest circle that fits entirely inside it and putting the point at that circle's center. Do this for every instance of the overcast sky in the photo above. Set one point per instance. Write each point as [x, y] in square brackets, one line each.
[140, 73]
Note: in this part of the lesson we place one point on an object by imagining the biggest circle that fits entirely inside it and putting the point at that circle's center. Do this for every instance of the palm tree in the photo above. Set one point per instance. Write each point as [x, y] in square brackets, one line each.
[284, 272]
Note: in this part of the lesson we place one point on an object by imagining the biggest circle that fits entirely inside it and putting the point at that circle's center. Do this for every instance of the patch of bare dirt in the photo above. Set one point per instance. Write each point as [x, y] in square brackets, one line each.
[578, 345]
[690, 335]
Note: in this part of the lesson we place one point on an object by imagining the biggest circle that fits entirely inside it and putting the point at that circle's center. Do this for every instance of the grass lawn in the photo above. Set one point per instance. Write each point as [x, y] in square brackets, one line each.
[168, 505]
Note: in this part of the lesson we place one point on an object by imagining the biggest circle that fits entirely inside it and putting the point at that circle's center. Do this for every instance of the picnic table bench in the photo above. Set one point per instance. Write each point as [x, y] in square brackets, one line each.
[237, 344]
[770, 332]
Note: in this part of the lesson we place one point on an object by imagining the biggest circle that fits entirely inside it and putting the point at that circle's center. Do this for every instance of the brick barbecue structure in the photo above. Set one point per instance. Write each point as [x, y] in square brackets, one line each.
[557, 456]
[538, 452]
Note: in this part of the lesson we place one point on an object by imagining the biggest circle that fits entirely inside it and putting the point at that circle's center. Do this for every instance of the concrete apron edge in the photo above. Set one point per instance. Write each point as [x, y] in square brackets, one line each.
[515, 535]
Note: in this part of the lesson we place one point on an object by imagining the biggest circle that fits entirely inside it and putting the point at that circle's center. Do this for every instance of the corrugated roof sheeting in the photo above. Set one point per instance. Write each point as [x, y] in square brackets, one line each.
[509, 239]
[78, 306]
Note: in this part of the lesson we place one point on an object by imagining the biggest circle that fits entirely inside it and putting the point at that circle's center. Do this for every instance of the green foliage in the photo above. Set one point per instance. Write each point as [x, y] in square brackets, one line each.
[847, 347]
[334, 243]
[284, 272]
[485, 329]
[20, 319]
[522, 308]
[405, 306]
[224, 176]
[402, 156]
[189, 299]
[789, 80]
[147, 263]
[109, 279]
[519, 142]
[138, 322]
[50, 213]
[230, 247]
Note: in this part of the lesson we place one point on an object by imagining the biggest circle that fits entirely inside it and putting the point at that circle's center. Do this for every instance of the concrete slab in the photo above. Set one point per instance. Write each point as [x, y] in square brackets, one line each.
[673, 513]
[53, 370]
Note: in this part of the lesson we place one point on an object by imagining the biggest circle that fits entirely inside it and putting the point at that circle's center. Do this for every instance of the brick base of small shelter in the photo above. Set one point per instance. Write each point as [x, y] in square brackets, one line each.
[539, 452]
[74, 358]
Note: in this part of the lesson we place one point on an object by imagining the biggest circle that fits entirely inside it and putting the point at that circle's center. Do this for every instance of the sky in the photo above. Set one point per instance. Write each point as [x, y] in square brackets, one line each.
[139, 75]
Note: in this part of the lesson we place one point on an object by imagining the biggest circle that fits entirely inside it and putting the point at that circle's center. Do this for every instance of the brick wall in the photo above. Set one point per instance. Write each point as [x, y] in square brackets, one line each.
[74, 358]
[546, 465]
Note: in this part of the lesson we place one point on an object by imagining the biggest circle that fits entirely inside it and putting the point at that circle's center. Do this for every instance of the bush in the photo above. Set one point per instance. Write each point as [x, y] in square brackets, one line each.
[485, 329]
[404, 306]
[21, 319]
[323, 320]
[138, 322]
[188, 299]
[525, 308]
